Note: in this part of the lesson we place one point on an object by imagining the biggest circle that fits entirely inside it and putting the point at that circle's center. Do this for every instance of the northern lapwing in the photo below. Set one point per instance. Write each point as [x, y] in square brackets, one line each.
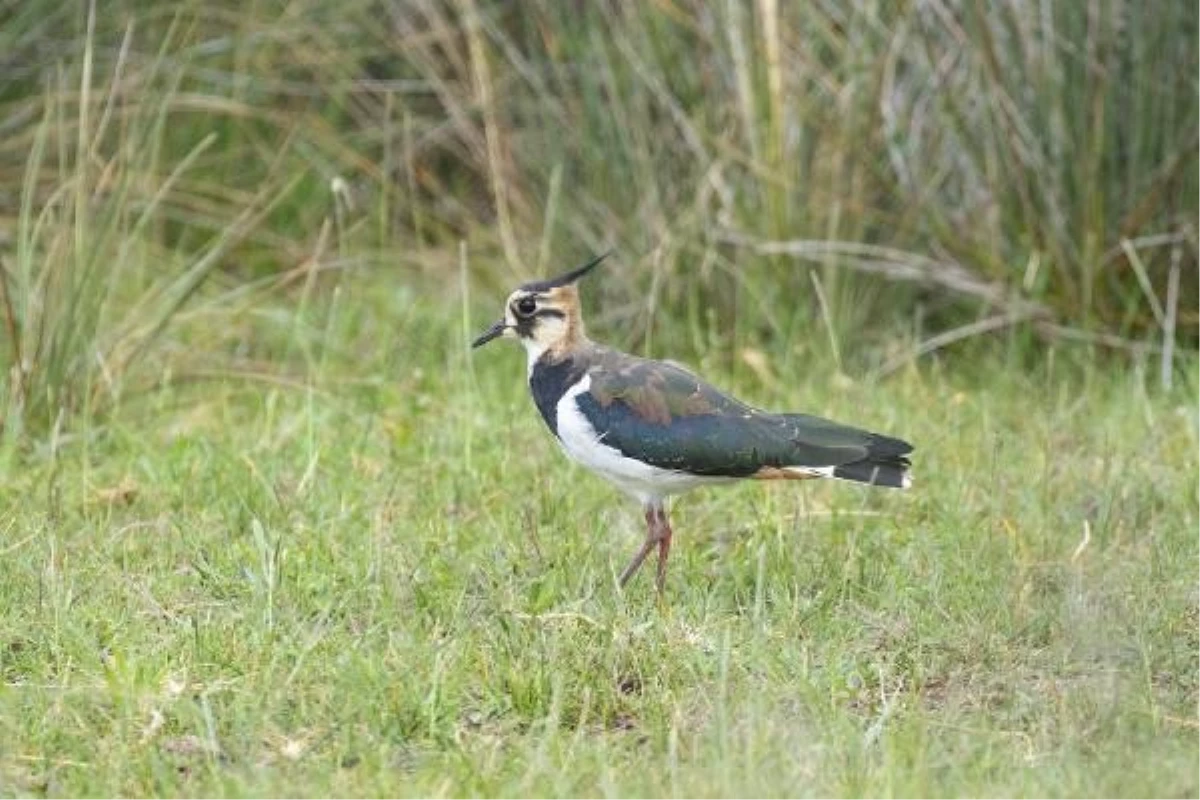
[655, 430]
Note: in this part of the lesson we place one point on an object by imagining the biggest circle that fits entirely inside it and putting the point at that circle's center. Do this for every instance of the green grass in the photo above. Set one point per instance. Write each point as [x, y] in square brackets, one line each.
[381, 577]
[1035, 163]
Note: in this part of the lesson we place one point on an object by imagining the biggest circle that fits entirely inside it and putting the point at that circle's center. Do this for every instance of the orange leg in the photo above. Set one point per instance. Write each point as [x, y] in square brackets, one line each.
[664, 549]
[658, 532]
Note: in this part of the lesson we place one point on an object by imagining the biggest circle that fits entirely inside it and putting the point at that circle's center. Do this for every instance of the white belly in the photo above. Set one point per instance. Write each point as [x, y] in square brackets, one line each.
[645, 482]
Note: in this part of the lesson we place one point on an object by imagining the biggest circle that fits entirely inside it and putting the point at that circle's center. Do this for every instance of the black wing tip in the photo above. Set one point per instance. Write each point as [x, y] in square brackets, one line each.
[886, 464]
[887, 447]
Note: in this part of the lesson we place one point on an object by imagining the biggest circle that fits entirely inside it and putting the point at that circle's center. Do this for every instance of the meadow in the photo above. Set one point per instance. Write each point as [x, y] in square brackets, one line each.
[269, 527]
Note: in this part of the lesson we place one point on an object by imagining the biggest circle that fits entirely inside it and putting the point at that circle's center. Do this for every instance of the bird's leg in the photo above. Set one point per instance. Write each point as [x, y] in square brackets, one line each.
[653, 537]
[664, 549]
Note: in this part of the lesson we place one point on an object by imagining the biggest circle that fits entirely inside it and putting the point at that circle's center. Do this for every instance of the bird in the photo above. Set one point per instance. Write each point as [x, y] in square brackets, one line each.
[655, 430]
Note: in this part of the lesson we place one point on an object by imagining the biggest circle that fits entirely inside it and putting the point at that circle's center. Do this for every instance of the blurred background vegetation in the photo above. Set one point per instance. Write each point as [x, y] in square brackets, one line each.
[892, 177]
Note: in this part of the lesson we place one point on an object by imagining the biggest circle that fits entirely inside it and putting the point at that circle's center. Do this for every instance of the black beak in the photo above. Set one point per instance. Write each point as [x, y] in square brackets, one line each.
[493, 332]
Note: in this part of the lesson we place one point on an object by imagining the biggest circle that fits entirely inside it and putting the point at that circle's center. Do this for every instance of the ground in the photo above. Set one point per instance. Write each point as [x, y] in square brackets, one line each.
[382, 577]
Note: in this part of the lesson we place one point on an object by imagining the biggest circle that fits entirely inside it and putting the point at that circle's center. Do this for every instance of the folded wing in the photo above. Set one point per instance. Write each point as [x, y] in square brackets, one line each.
[664, 415]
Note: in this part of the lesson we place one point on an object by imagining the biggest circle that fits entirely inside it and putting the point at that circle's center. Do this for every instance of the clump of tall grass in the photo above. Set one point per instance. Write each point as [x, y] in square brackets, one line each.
[942, 168]
[1057, 148]
[97, 261]
[1034, 161]
[1008, 162]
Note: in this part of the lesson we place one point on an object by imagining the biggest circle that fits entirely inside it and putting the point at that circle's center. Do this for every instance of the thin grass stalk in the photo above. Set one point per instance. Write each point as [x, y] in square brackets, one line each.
[497, 169]
[1167, 360]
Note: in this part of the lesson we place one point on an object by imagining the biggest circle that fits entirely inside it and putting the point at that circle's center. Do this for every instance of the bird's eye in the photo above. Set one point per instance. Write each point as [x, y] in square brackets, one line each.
[525, 307]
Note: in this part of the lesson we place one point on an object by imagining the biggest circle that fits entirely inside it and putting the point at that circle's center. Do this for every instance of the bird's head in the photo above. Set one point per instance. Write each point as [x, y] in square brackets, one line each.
[543, 315]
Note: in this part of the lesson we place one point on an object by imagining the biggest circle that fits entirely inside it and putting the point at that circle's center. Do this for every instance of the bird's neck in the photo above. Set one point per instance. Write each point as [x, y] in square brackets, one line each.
[573, 346]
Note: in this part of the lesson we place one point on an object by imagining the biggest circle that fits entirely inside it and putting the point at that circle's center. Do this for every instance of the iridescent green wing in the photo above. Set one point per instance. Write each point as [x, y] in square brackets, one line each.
[663, 415]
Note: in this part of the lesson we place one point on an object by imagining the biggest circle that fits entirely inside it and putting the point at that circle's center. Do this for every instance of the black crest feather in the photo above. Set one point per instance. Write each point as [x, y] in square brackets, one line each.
[568, 278]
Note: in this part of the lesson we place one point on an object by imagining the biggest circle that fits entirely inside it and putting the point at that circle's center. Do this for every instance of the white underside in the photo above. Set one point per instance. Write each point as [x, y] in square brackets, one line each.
[647, 483]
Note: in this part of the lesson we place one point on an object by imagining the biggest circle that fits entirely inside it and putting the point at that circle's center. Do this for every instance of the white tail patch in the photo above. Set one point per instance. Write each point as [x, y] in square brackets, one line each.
[827, 472]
